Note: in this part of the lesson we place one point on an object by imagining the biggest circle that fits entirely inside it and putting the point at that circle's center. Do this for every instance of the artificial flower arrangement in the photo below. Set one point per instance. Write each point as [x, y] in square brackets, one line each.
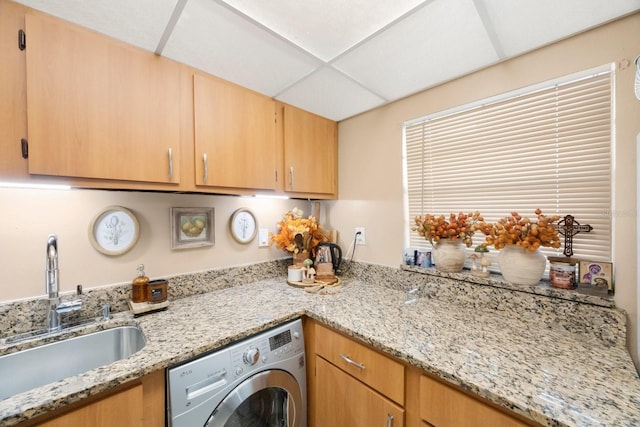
[298, 235]
[527, 233]
[461, 226]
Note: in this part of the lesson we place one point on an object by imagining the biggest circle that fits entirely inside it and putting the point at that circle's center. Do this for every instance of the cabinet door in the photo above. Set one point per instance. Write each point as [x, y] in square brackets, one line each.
[370, 367]
[98, 108]
[13, 99]
[310, 153]
[235, 136]
[121, 409]
[341, 400]
[443, 406]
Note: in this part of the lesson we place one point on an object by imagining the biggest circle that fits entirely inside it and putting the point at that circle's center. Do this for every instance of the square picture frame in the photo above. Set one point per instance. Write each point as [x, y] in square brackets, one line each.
[597, 274]
[191, 227]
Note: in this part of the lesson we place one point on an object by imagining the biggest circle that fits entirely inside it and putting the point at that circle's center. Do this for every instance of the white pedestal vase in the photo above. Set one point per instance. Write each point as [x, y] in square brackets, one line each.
[521, 266]
[449, 255]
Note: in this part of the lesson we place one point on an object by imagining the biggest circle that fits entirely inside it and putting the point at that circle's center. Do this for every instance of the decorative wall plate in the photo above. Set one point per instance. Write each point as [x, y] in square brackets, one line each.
[114, 231]
[243, 225]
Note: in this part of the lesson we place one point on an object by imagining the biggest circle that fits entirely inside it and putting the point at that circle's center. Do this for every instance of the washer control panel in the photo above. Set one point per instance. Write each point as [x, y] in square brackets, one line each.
[272, 346]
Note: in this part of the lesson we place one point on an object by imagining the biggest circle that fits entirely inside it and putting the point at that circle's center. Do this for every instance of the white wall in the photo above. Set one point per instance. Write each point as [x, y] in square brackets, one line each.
[371, 148]
[28, 216]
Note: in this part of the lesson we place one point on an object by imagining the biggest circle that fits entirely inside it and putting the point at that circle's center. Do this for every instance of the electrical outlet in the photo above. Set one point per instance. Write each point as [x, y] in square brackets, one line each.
[360, 240]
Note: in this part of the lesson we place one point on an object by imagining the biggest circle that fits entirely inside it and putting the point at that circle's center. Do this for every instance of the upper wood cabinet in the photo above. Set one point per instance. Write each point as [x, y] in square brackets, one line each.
[13, 98]
[235, 136]
[98, 108]
[310, 154]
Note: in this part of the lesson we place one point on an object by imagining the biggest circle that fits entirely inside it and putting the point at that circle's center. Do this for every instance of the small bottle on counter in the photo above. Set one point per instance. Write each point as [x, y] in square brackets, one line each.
[139, 286]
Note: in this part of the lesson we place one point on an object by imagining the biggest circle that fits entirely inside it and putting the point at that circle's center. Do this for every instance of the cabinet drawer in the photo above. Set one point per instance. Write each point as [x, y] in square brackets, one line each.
[442, 406]
[372, 368]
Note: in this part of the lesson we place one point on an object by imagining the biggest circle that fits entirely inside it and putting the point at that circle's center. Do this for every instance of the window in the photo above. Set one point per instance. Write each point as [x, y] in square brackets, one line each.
[547, 147]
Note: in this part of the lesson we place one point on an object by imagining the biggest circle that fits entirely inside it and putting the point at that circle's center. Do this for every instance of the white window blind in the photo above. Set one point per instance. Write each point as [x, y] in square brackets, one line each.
[546, 148]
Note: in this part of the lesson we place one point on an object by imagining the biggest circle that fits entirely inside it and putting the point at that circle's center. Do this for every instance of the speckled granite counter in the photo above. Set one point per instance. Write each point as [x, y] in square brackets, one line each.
[506, 352]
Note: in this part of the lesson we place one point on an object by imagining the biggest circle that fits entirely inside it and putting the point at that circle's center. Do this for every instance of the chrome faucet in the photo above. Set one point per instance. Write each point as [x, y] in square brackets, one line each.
[52, 288]
[52, 283]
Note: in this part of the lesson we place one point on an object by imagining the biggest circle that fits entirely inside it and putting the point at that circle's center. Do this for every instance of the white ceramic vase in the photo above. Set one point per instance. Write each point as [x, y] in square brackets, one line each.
[521, 266]
[449, 255]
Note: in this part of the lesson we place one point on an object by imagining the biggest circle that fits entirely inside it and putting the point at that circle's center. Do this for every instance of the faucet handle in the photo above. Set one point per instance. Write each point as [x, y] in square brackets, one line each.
[66, 307]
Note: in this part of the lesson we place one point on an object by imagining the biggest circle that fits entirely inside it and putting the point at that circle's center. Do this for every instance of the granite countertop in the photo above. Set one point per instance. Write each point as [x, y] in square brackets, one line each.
[549, 375]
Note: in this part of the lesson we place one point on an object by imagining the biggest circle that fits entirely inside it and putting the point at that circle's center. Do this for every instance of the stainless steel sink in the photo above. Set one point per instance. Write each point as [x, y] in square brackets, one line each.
[37, 366]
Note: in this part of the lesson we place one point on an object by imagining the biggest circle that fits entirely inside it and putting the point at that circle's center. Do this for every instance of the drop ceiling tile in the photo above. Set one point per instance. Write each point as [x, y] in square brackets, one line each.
[523, 26]
[139, 23]
[325, 28]
[441, 41]
[330, 94]
[210, 37]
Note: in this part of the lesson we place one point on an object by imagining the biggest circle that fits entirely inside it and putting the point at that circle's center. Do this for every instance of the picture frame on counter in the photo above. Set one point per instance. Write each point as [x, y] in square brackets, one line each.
[597, 274]
[191, 227]
[114, 231]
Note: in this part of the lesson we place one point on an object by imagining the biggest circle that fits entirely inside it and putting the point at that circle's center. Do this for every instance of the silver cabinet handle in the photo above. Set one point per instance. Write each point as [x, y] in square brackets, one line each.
[352, 362]
[389, 420]
[291, 177]
[170, 163]
[206, 167]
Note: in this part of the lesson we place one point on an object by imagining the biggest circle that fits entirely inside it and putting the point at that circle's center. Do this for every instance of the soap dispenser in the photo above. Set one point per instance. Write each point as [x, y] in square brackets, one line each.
[139, 286]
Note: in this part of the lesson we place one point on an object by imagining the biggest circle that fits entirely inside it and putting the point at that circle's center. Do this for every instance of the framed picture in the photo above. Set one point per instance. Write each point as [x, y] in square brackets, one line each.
[114, 231]
[191, 227]
[597, 274]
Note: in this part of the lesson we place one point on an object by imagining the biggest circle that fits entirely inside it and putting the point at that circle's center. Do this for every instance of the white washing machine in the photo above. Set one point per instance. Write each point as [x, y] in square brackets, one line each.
[257, 382]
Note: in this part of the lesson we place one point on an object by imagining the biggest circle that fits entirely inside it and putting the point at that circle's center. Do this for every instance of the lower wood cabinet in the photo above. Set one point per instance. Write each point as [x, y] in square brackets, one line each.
[344, 401]
[136, 404]
[351, 384]
[442, 406]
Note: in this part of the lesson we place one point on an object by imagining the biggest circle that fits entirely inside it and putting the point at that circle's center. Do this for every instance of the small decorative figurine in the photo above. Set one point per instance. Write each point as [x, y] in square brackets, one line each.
[479, 262]
[309, 274]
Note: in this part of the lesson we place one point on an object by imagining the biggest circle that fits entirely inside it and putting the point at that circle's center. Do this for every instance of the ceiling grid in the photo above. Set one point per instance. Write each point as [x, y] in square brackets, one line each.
[338, 58]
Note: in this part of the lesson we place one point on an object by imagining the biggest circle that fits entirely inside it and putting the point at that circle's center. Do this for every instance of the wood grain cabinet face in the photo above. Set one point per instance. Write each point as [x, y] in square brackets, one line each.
[235, 136]
[442, 406]
[310, 154]
[121, 409]
[344, 401]
[352, 384]
[98, 108]
[138, 404]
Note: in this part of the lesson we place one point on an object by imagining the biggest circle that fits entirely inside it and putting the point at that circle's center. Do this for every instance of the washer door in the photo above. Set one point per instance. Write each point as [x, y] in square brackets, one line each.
[267, 399]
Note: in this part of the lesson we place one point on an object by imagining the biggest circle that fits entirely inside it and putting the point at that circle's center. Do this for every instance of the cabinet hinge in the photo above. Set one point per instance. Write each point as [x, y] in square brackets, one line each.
[276, 176]
[24, 146]
[22, 40]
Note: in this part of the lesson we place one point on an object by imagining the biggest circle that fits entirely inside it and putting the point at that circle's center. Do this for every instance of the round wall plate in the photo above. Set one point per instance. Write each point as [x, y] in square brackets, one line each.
[243, 225]
[114, 230]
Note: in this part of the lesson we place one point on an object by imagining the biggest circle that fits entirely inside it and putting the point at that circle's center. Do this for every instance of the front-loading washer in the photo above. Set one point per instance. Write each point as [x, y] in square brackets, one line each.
[257, 382]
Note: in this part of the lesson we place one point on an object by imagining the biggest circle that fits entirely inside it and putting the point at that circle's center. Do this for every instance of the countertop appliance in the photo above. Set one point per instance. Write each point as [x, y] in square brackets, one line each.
[259, 381]
[329, 252]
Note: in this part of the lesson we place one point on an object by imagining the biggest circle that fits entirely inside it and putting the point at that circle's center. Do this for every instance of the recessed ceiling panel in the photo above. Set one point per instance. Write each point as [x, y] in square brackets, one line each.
[139, 23]
[330, 94]
[211, 38]
[444, 40]
[326, 28]
[523, 26]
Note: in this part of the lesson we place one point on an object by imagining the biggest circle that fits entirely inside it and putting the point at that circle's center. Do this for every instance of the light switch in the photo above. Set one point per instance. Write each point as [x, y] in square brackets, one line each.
[263, 237]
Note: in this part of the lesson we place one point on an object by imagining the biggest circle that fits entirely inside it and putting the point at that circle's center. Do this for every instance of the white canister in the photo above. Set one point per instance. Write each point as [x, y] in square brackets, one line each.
[295, 273]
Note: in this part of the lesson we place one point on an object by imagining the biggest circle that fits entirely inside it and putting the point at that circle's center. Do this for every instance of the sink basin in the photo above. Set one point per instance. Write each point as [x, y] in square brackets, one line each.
[48, 363]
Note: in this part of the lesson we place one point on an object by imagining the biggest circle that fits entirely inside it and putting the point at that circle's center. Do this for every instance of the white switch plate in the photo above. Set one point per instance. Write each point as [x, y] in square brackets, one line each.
[263, 237]
[360, 240]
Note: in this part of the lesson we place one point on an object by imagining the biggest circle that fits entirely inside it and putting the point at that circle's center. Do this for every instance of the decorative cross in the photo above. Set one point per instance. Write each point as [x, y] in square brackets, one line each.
[569, 227]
